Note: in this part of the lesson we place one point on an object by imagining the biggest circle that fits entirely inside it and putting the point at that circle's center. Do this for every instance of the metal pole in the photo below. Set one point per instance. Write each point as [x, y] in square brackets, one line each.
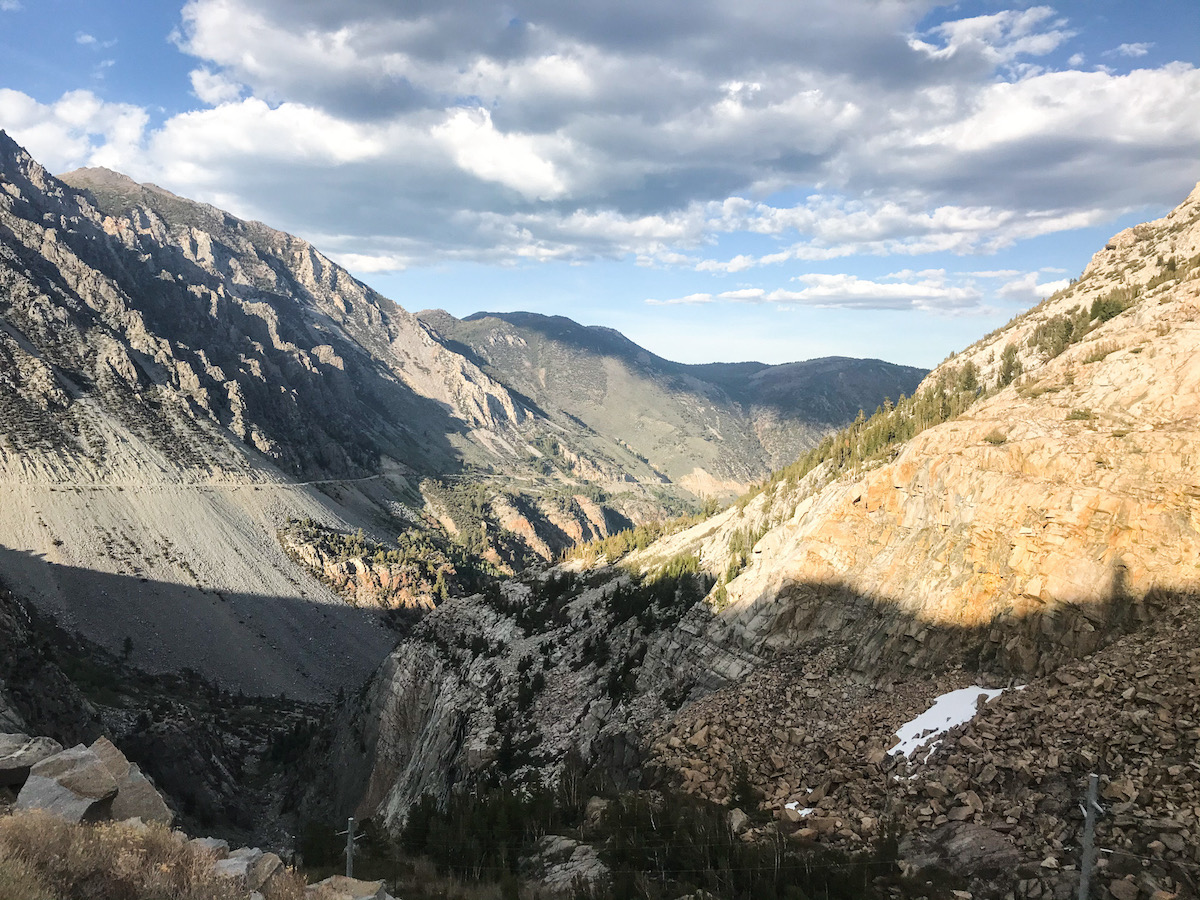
[1089, 834]
[350, 847]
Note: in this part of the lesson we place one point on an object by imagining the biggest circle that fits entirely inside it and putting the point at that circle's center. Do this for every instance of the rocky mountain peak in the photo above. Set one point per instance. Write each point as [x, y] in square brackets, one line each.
[14, 160]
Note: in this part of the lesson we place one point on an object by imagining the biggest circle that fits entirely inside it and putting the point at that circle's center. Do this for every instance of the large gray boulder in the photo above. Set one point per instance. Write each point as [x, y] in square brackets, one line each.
[262, 872]
[136, 795]
[248, 865]
[74, 785]
[239, 864]
[19, 753]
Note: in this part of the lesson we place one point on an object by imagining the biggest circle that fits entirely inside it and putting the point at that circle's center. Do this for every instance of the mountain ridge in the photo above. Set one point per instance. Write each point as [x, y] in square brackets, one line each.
[737, 419]
[179, 385]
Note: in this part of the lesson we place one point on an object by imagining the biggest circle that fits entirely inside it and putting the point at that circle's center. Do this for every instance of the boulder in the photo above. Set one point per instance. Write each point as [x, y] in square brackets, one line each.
[339, 887]
[136, 795]
[964, 848]
[19, 753]
[73, 784]
[738, 821]
[261, 872]
[239, 864]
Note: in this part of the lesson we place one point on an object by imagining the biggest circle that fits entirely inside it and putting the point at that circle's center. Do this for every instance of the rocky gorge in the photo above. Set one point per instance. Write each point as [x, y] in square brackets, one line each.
[1044, 540]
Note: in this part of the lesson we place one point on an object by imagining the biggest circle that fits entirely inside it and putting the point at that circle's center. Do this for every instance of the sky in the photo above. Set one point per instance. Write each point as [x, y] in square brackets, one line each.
[718, 179]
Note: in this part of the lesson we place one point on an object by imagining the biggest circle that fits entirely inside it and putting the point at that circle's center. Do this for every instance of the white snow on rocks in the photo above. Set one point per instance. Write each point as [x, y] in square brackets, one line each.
[948, 710]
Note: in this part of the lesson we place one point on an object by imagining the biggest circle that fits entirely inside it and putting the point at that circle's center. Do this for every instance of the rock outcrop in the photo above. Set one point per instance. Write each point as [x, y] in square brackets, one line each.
[136, 797]
[88, 784]
[73, 784]
[561, 865]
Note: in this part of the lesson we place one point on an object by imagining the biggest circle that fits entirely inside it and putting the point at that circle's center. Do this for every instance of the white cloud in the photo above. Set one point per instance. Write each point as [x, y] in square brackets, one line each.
[840, 228]
[253, 129]
[930, 293]
[214, 88]
[10, 5]
[514, 160]
[1131, 50]
[366, 263]
[851, 292]
[998, 38]
[1026, 289]
[650, 130]
[78, 129]
[89, 40]
[744, 294]
[689, 300]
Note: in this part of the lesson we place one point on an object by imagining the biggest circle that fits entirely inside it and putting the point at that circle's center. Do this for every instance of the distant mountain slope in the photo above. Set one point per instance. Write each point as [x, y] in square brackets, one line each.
[284, 348]
[710, 427]
[175, 384]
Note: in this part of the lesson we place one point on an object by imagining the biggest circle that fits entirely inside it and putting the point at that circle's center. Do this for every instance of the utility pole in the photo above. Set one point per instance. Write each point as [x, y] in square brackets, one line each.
[1089, 836]
[351, 837]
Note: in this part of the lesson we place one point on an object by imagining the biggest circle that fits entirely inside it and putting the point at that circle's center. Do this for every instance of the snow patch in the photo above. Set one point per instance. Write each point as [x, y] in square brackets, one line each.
[795, 804]
[948, 711]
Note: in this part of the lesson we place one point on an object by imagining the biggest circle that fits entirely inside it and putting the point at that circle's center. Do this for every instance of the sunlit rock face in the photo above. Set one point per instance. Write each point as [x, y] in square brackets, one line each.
[1071, 488]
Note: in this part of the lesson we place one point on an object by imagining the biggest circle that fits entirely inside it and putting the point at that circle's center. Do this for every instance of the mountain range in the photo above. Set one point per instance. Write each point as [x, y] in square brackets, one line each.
[179, 388]
[230, 466]
[714, 428]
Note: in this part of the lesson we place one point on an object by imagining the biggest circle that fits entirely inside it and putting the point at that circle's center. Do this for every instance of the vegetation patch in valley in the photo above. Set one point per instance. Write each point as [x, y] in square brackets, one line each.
[656, 845]
[423, 568]
[626, 541]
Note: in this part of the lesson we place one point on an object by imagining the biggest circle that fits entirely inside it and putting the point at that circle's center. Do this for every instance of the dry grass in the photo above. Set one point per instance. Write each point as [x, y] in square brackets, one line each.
[995, 437]
[18, 881]
[44, 858]
[1099, 352]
